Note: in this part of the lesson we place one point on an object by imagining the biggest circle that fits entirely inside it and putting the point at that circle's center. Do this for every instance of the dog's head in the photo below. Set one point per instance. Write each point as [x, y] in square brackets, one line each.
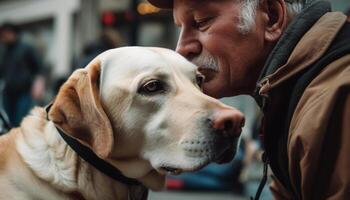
[146, 103]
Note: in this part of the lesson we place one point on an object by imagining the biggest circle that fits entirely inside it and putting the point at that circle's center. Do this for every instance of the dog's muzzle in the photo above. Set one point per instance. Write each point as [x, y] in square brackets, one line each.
[218, 148]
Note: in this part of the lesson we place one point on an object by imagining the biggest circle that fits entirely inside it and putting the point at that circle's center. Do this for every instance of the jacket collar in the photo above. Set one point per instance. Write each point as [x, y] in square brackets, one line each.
[304, 41]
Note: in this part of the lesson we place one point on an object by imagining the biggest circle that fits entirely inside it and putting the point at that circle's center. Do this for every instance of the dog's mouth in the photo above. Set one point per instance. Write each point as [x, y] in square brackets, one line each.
[167, 169]
[195, 163]
[171, 170]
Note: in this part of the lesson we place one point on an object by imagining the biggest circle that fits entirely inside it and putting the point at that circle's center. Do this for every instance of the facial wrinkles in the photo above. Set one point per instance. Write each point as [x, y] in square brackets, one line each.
[206, 61]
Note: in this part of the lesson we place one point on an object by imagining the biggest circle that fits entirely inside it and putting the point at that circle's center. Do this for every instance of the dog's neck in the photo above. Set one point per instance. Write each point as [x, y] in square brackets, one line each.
[50, 158]
[46, 153]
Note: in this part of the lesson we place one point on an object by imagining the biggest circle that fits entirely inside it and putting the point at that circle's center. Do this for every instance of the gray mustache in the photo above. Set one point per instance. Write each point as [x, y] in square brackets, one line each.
[206, 62]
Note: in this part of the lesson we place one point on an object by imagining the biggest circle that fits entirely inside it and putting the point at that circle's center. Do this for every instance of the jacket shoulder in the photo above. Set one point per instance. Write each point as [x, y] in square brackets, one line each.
[324, 91]
[319, 121]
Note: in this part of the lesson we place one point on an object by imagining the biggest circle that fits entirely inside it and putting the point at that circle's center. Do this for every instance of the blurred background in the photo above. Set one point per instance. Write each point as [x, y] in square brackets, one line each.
[43, 41]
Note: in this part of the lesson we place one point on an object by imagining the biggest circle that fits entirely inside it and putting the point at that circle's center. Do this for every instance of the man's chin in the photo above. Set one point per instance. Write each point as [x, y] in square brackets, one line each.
[210, 88]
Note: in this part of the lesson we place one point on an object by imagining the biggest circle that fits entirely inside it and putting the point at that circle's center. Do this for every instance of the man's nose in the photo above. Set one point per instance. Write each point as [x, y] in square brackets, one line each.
[188, 45]
[228, 121]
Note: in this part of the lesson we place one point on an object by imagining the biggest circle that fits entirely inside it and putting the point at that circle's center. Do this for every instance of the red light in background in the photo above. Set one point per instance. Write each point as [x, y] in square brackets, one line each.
[108, 18]
[176, 184]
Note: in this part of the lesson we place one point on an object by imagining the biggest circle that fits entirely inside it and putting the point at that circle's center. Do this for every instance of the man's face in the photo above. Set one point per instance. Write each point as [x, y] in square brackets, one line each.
[230, 60]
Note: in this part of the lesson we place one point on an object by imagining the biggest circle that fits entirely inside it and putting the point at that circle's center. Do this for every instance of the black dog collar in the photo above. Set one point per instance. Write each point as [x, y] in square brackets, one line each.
[89, 156]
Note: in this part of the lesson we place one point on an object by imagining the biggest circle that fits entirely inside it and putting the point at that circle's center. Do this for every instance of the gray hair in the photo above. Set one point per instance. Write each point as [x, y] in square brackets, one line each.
[248, 12]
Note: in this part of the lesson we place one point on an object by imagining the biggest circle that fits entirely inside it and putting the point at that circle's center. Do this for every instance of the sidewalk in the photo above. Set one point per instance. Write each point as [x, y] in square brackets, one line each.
[183, 195]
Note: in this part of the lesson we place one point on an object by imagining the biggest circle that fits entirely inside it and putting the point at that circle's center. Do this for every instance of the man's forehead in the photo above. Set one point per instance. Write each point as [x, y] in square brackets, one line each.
[183, 8]
[193, 4]
[169, 3]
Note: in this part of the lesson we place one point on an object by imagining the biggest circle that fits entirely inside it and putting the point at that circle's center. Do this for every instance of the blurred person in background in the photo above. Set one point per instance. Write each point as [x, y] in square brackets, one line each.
[20, 71]
[109, 39]
[293, 57]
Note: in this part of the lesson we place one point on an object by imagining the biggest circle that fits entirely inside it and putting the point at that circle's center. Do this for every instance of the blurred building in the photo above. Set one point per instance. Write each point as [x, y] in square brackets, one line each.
[61, 29]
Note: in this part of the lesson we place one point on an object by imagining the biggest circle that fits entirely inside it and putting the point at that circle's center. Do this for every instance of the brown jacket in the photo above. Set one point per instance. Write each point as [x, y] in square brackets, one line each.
[318, 145]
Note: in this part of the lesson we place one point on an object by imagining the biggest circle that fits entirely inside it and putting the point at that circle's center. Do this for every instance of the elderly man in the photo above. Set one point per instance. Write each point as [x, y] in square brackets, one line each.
[293, 56]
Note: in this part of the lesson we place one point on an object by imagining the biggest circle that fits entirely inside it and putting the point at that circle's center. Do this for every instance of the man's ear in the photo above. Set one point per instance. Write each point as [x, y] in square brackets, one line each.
[78, 111]
[275, 17]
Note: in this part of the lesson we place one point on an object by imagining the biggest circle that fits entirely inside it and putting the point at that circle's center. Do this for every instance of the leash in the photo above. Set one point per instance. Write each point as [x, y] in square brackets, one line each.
[264, 159]
[5, 122]
[89, 156]
[264, 178]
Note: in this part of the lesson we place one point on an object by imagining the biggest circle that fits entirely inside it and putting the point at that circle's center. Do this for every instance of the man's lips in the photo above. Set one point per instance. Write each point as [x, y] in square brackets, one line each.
[208, 73]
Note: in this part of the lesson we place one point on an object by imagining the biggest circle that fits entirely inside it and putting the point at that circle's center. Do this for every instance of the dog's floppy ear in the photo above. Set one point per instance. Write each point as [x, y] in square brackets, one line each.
[78, 111]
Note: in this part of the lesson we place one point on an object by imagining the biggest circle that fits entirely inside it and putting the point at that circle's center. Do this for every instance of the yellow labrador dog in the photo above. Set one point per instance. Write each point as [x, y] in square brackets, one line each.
[123, 122]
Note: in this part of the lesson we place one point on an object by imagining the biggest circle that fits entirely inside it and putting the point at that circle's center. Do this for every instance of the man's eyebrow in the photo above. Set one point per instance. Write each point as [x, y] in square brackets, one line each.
[194, 5]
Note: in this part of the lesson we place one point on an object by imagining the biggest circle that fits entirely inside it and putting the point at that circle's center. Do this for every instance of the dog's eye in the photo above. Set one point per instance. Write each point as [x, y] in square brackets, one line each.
[152, 87]
[200, 80]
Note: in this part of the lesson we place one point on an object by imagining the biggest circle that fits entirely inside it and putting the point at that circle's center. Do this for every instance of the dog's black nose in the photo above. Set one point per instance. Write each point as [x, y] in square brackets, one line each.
[228, 121]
